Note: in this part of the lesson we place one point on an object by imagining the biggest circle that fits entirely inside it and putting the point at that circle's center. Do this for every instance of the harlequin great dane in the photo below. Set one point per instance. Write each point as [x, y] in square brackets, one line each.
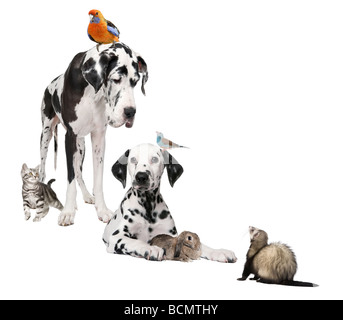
[143, 213]
[96, 90]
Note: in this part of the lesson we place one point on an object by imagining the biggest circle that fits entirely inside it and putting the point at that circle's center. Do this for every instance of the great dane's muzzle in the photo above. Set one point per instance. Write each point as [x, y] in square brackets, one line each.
[129, 113]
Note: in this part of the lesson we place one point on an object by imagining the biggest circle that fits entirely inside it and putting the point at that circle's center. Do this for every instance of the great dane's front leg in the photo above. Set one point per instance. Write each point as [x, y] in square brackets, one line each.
[80, 156]
[67, 215]
[220, 255]
[98, 146]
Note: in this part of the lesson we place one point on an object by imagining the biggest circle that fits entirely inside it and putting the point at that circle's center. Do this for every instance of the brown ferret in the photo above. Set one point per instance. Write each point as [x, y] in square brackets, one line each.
[273, 263]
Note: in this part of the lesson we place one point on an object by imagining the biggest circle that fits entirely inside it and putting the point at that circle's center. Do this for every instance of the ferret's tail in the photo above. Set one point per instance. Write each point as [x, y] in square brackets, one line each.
[298, 283]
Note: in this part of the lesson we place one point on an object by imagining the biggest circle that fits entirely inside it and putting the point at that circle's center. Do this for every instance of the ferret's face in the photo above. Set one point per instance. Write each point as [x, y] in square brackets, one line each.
[254, 233]
[258, 235]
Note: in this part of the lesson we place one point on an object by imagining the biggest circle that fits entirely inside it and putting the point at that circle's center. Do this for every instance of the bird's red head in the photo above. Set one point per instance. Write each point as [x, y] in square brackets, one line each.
[95, 13]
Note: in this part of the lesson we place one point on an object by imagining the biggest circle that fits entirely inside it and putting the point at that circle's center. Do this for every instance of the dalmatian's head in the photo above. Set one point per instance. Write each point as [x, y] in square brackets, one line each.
[146, 164]
[114, 72]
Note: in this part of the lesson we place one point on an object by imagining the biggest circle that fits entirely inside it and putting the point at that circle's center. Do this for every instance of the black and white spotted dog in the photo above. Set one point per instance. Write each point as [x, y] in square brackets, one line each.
[143, 213]
[96, 90]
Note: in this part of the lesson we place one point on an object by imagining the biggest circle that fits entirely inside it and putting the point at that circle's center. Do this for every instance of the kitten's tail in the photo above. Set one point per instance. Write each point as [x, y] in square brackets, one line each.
[50, 182]
[55, 146]
[298, 283]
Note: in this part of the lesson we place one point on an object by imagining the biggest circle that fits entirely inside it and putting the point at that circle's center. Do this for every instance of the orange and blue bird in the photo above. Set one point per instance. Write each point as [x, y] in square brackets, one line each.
[101, 30]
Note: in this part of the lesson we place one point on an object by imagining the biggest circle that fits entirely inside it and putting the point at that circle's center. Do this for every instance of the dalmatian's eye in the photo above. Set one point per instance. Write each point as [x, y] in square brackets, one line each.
[134, 160]
[154, 160]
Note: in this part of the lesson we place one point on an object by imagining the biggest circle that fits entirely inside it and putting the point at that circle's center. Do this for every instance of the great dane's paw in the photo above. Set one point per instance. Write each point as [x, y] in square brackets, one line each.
[154, 253]
[105, 215]
[66, 218]
[223, 255]
[89, 199]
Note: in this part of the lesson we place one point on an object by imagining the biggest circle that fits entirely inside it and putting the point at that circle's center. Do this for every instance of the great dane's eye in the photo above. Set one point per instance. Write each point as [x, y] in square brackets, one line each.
[154, 160]
[134, 160]
[117, 81]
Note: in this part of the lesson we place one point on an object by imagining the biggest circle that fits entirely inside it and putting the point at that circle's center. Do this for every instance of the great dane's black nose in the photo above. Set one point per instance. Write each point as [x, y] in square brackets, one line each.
[129, 112]
[142, 178]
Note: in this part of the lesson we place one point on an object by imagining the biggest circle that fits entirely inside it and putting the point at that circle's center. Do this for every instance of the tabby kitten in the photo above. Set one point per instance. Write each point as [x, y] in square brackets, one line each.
[37, 195]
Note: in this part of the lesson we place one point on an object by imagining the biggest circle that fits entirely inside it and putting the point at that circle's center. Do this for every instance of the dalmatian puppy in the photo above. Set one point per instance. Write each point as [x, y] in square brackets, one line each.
[95, 91]
[143, 214]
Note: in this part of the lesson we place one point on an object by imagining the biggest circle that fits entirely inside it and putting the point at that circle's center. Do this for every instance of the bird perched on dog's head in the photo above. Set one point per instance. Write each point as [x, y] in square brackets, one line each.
[101, 30]
[165, 143]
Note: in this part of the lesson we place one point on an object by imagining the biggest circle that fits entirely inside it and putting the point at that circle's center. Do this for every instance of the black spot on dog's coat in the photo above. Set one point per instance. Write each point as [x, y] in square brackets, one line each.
[164, 214]
[48, 110]
[122, 71]
[73, 88]
[56, 102]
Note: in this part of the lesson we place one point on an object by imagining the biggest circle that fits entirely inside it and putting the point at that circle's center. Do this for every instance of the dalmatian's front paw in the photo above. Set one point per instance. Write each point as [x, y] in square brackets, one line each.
[154, 253]
[222, 255]
[66, 218]
[105, 215]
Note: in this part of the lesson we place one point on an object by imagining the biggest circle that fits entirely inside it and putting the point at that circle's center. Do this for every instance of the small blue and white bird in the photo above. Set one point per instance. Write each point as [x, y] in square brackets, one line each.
[165, 143]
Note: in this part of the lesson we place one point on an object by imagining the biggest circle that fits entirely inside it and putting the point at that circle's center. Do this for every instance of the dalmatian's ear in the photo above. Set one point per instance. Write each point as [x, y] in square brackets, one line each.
[143, 69]
[174, 169]
[96, 72]
[119, 169]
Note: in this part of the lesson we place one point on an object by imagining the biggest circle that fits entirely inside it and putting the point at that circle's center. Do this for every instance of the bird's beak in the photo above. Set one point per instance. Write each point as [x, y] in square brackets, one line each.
[91, 18]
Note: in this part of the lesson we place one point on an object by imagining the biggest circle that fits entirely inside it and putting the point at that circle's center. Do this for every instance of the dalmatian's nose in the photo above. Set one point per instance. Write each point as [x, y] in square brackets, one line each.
[142, 178]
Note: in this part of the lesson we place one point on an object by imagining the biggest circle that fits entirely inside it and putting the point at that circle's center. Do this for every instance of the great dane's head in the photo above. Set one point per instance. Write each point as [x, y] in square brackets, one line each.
[145, 164]
[114, 72]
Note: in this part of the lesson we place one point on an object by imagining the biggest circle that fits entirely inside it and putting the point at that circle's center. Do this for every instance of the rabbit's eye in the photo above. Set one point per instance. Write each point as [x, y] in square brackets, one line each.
[189, 238]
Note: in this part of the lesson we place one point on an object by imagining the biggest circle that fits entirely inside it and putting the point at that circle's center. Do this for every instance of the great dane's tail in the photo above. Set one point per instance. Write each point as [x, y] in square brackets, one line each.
[55, 146]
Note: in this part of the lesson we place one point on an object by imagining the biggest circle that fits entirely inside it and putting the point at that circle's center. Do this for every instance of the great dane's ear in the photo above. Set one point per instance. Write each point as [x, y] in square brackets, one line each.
[143, 69]
[96, 72]
[119, 169]
[174, 169]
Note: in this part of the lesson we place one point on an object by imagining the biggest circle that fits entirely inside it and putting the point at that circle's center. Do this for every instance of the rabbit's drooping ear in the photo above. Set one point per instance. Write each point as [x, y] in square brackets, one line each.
[178, 247]
[174, 169]
[119, 169]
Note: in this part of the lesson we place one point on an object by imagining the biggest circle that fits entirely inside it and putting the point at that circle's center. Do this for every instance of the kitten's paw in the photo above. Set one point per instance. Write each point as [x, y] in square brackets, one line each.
[37, 219]
[66, 218]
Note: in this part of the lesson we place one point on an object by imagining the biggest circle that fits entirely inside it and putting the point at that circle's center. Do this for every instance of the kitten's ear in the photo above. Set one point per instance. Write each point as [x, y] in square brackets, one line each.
[24, 168]
[37, 168]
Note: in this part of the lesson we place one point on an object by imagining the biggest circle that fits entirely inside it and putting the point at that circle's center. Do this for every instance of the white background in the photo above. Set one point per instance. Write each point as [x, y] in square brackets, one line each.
[254, 88]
